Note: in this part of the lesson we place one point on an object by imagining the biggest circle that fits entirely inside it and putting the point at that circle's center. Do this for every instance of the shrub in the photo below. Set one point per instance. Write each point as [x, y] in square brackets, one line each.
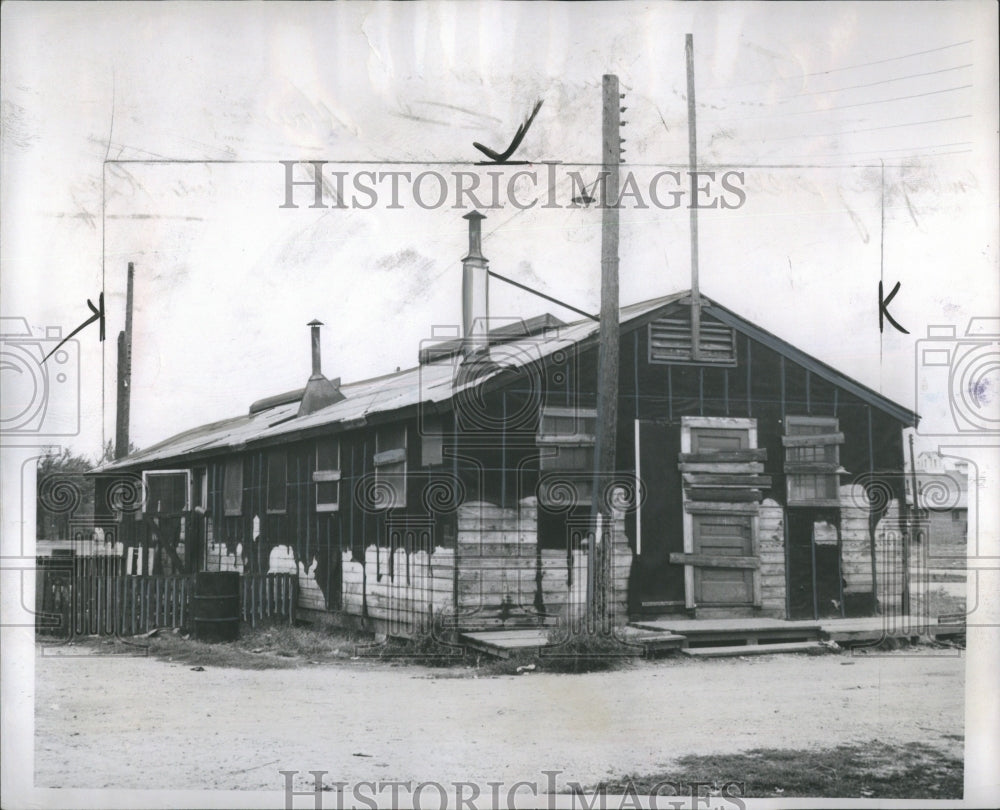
[581, 651]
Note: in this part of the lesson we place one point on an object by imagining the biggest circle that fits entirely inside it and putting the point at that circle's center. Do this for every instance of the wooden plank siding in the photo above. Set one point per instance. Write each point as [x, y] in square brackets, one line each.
[766, 386]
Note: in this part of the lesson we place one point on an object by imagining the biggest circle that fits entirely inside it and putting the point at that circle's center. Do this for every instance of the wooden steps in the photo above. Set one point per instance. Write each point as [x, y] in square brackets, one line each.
[652, 642]
[721, 632]
[719, 638]
[875, 628]
[752, 649]
[503, 643]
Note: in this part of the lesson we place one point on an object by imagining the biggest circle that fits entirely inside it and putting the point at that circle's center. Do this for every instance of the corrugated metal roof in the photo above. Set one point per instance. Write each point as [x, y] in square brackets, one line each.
[434, 384]
[428, 384]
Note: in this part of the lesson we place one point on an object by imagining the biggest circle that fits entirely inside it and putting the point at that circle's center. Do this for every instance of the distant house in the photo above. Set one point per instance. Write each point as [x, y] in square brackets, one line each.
[462, 488]
[942, 497]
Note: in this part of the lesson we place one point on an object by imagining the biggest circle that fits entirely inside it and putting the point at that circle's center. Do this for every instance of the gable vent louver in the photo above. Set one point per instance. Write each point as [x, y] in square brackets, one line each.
[670, 342]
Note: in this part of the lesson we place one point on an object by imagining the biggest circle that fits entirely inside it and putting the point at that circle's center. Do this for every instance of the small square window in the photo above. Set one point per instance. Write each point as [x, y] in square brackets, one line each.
[232, 487]
[167, 492]
[812, 460]
[327, 475]
[277, 480]
[390, 466]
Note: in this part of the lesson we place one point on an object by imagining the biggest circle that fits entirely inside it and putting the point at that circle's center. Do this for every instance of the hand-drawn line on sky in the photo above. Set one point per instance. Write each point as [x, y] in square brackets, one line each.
[501, 158]
[97, 316]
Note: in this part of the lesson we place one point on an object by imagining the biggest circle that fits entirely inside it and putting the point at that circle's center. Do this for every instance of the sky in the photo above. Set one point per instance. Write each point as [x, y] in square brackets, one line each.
[864, 135]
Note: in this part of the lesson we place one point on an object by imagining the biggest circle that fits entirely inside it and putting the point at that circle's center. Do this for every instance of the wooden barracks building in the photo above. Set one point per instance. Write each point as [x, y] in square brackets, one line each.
[462, 489]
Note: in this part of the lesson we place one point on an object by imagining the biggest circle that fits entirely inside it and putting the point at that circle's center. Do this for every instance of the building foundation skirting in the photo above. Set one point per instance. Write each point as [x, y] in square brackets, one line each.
[498, 576]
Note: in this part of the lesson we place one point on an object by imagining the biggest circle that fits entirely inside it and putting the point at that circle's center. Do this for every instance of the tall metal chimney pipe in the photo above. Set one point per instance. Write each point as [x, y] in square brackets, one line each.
[314, 326]
[475, 291]
[319, 391]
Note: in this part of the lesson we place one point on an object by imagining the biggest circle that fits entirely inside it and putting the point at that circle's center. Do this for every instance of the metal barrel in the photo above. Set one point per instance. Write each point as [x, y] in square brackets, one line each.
[216, 606]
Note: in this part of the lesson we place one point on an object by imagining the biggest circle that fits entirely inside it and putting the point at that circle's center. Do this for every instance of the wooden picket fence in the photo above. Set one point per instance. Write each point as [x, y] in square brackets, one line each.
[68, 604]
[266, 597]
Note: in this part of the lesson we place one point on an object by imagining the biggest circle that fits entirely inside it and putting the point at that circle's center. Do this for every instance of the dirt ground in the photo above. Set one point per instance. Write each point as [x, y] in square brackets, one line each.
[128, 722]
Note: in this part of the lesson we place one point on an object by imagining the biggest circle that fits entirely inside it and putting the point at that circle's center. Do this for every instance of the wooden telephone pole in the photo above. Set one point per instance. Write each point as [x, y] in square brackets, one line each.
[599, 580]
[124, 400]
[693, 167]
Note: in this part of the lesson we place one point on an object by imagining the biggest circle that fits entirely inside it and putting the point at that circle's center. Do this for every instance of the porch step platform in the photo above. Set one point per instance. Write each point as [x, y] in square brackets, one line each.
[874, 628]
[502, 643]
[752, 649]
[652, 641]
[722, 632]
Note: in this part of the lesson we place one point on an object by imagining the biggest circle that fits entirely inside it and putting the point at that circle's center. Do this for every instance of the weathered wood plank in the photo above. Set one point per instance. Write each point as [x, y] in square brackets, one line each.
[721, 467]
[811, 467]
[723, 456]
[732, 495]
[815, 439]
[714, 561]
[723, 480]
[472, 550]
[705, 508]
[498, 563]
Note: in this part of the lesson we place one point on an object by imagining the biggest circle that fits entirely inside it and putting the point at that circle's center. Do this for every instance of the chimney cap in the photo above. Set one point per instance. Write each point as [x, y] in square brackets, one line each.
[315, 322]
[474, 215]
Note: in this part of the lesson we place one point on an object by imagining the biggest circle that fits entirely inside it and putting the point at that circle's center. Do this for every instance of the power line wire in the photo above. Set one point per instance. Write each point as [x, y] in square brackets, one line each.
[872, 129]
[875, 84]
[914, 150]
[840, 107]
[849, 67]
[886, 100]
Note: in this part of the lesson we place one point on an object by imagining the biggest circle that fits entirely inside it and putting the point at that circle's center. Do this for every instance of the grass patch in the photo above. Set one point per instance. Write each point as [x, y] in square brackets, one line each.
[874, 770]
[279, 647]
[440, 650]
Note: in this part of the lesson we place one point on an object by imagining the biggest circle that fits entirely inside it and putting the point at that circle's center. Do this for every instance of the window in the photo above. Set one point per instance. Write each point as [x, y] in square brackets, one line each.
[167, 492]
[670, 341]
[812, 460]
[566, 437]
[431, 441]
[390, 467]
[327, 475]
[277, 478]
[232, 487]
[199, 488]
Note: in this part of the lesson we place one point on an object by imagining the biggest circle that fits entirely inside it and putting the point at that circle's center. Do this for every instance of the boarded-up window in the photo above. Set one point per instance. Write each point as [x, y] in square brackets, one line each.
[812, 460]
[327, 475]
[277, 480]
[232, 487]
[670, 341]
[566, 439]
[390, 467]
[167, 491]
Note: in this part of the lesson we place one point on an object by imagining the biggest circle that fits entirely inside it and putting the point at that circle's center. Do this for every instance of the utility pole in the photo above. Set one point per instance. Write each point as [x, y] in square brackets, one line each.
[599, 581]
[908, 535]
[123, 406]
[692, 210]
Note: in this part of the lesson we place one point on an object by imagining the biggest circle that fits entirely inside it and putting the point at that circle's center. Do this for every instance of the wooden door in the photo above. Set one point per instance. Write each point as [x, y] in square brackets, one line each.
[656, 586]
[716, 538]
[720, 564]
